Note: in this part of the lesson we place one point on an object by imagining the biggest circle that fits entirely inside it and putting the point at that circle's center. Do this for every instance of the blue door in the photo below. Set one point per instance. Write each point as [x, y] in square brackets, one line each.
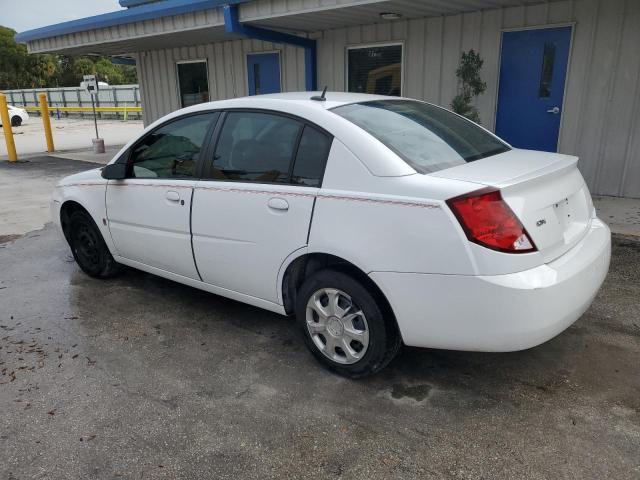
[532, 77]
[264, 73]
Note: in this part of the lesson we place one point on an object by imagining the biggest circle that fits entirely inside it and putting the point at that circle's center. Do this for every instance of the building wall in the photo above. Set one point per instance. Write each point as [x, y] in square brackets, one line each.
[226, 63]
[600, 121]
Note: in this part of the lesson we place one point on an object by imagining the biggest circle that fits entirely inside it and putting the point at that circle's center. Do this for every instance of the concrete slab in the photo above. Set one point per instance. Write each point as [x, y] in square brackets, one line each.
[140, 377]
[622, 214]
[26, 188]
[69, 134]
[87, 155]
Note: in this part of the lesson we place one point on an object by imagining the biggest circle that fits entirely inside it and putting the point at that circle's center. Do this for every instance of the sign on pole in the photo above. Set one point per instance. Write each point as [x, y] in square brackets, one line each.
[91, 85]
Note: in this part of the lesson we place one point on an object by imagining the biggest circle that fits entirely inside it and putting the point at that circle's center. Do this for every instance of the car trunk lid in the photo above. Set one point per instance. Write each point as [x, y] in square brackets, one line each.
[545, 190]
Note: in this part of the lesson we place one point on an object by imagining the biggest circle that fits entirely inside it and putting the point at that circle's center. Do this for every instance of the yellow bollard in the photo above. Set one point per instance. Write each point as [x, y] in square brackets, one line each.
[46, 121]
[6, 126]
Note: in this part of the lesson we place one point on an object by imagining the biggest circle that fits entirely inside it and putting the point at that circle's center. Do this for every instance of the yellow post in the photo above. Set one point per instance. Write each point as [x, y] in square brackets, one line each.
[46, 121]
[6, 127]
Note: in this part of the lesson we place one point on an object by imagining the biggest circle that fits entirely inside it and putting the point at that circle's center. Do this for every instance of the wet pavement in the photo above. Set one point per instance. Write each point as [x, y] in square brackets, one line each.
[140, 377]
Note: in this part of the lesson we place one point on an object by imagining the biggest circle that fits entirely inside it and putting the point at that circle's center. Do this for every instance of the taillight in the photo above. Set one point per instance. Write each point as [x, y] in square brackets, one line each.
[488, 221]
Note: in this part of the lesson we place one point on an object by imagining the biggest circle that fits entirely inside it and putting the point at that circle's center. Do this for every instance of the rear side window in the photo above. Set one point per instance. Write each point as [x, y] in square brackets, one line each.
[172, 150]
[311, 157]
[427, 137]
[256, 147]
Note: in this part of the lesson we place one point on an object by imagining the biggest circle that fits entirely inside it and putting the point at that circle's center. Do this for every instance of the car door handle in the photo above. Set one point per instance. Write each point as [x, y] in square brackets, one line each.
[173, 196]
[278, 203]
[554, 110]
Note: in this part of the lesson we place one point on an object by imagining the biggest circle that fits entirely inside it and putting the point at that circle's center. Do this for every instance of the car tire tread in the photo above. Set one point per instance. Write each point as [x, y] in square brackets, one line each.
[108, 267]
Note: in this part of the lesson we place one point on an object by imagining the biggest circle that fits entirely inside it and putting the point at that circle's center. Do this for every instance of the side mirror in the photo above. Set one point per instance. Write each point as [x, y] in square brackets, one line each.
[115, 171]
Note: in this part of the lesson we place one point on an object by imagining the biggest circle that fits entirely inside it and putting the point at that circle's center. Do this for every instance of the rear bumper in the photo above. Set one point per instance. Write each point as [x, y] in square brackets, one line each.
[499, 313]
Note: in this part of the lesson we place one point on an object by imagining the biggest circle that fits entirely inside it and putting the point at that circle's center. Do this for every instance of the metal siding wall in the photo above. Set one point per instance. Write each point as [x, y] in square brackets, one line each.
[226, 62]
[601, 119]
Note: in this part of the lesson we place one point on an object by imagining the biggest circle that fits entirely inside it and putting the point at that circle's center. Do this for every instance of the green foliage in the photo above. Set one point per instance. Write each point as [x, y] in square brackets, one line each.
[470, 85]
[18, 69]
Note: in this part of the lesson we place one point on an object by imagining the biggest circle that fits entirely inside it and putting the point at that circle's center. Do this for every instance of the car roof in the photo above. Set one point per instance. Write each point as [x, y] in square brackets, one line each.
[333, 99]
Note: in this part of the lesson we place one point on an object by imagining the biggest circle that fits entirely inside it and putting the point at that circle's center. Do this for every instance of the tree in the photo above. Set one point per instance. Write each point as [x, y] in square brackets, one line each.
[19, 69]
[470, 85]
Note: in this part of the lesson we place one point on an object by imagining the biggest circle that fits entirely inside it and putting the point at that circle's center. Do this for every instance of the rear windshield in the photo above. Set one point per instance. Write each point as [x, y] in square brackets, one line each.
[427, 137]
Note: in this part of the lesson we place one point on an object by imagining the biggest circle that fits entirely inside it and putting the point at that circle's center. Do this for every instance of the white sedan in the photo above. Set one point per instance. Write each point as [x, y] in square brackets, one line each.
[376, 221]
[17, 115]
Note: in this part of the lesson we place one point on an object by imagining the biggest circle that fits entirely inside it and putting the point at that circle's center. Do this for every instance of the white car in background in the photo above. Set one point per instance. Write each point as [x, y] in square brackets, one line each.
[375, 220]
[17, 115]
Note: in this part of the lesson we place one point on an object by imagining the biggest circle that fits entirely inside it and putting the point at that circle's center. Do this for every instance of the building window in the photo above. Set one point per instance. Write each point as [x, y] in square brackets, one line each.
[193, 83]
[375, 69]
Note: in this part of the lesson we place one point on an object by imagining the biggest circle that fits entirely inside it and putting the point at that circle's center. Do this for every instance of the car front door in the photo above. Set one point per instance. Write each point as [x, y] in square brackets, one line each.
[149, 211]
[255, 206]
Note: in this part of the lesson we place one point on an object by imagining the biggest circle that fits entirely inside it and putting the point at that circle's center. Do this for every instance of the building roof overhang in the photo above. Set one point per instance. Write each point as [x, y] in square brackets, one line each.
[139, 13]
[180, 23]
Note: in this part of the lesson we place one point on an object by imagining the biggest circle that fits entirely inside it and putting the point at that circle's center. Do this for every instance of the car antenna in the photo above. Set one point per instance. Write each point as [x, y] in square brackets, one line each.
[320, 98]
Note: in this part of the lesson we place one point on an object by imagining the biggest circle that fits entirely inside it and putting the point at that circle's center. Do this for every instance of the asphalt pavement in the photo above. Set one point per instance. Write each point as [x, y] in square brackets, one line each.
[139, 377]
[142, 378]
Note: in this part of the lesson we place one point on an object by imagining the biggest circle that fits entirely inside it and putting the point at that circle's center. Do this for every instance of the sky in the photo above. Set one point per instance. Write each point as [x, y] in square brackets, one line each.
[28, 14]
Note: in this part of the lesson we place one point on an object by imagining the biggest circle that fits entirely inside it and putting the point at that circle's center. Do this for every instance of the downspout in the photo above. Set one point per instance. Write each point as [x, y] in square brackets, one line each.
[232, 25]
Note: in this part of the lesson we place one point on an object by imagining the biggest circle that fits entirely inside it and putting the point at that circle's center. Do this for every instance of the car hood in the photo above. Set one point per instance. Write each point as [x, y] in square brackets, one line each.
[93, 175]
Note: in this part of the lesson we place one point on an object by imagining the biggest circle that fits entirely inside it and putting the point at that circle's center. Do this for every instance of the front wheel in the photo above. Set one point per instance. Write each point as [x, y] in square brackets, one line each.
[87, 245]
[16, 121]
[344, 326]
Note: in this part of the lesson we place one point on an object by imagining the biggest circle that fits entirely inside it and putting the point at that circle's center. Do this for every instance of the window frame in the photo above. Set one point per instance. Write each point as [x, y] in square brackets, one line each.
[205, 150]
[177, 72]
[208, 167]
[360, 46]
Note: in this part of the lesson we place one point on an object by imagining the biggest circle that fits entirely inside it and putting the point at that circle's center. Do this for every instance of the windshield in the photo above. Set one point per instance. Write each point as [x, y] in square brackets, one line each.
[427, 137]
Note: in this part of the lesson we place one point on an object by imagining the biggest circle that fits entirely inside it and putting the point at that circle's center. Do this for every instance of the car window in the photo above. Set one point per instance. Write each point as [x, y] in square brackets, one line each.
[256, 147]
[427, 137]
[311, 157]
[172, 150]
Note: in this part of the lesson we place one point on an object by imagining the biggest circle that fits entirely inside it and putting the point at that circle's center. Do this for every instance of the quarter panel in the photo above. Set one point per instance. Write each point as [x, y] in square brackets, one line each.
[386, 233]
[388, 223]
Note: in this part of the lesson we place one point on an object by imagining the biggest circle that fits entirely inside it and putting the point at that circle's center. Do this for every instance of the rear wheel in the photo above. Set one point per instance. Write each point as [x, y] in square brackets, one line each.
[88, 247]
[16, 121]
[344, 325]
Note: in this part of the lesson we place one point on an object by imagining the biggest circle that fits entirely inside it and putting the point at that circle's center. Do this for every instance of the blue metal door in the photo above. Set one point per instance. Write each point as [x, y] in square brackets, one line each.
[532, 77]
[264, 73]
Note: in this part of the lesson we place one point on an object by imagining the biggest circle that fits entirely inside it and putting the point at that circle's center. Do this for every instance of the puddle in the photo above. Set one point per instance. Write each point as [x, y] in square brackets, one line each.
[414, 392]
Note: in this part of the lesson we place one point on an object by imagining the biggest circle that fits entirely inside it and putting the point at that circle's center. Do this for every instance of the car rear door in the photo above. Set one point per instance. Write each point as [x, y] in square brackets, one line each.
[149, 211]
[255, 206]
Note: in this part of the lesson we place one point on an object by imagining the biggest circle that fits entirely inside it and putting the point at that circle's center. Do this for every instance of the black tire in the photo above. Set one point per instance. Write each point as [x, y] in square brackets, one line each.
[87, 245]
[384, 337]
[16, 121]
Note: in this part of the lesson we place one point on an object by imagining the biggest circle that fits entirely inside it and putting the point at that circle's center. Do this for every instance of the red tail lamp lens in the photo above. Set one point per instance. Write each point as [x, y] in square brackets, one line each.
[488, 221]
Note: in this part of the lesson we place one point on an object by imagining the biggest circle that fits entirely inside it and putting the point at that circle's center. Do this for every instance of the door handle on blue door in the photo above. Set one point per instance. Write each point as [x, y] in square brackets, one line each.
[278, 204]
[554, 110]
